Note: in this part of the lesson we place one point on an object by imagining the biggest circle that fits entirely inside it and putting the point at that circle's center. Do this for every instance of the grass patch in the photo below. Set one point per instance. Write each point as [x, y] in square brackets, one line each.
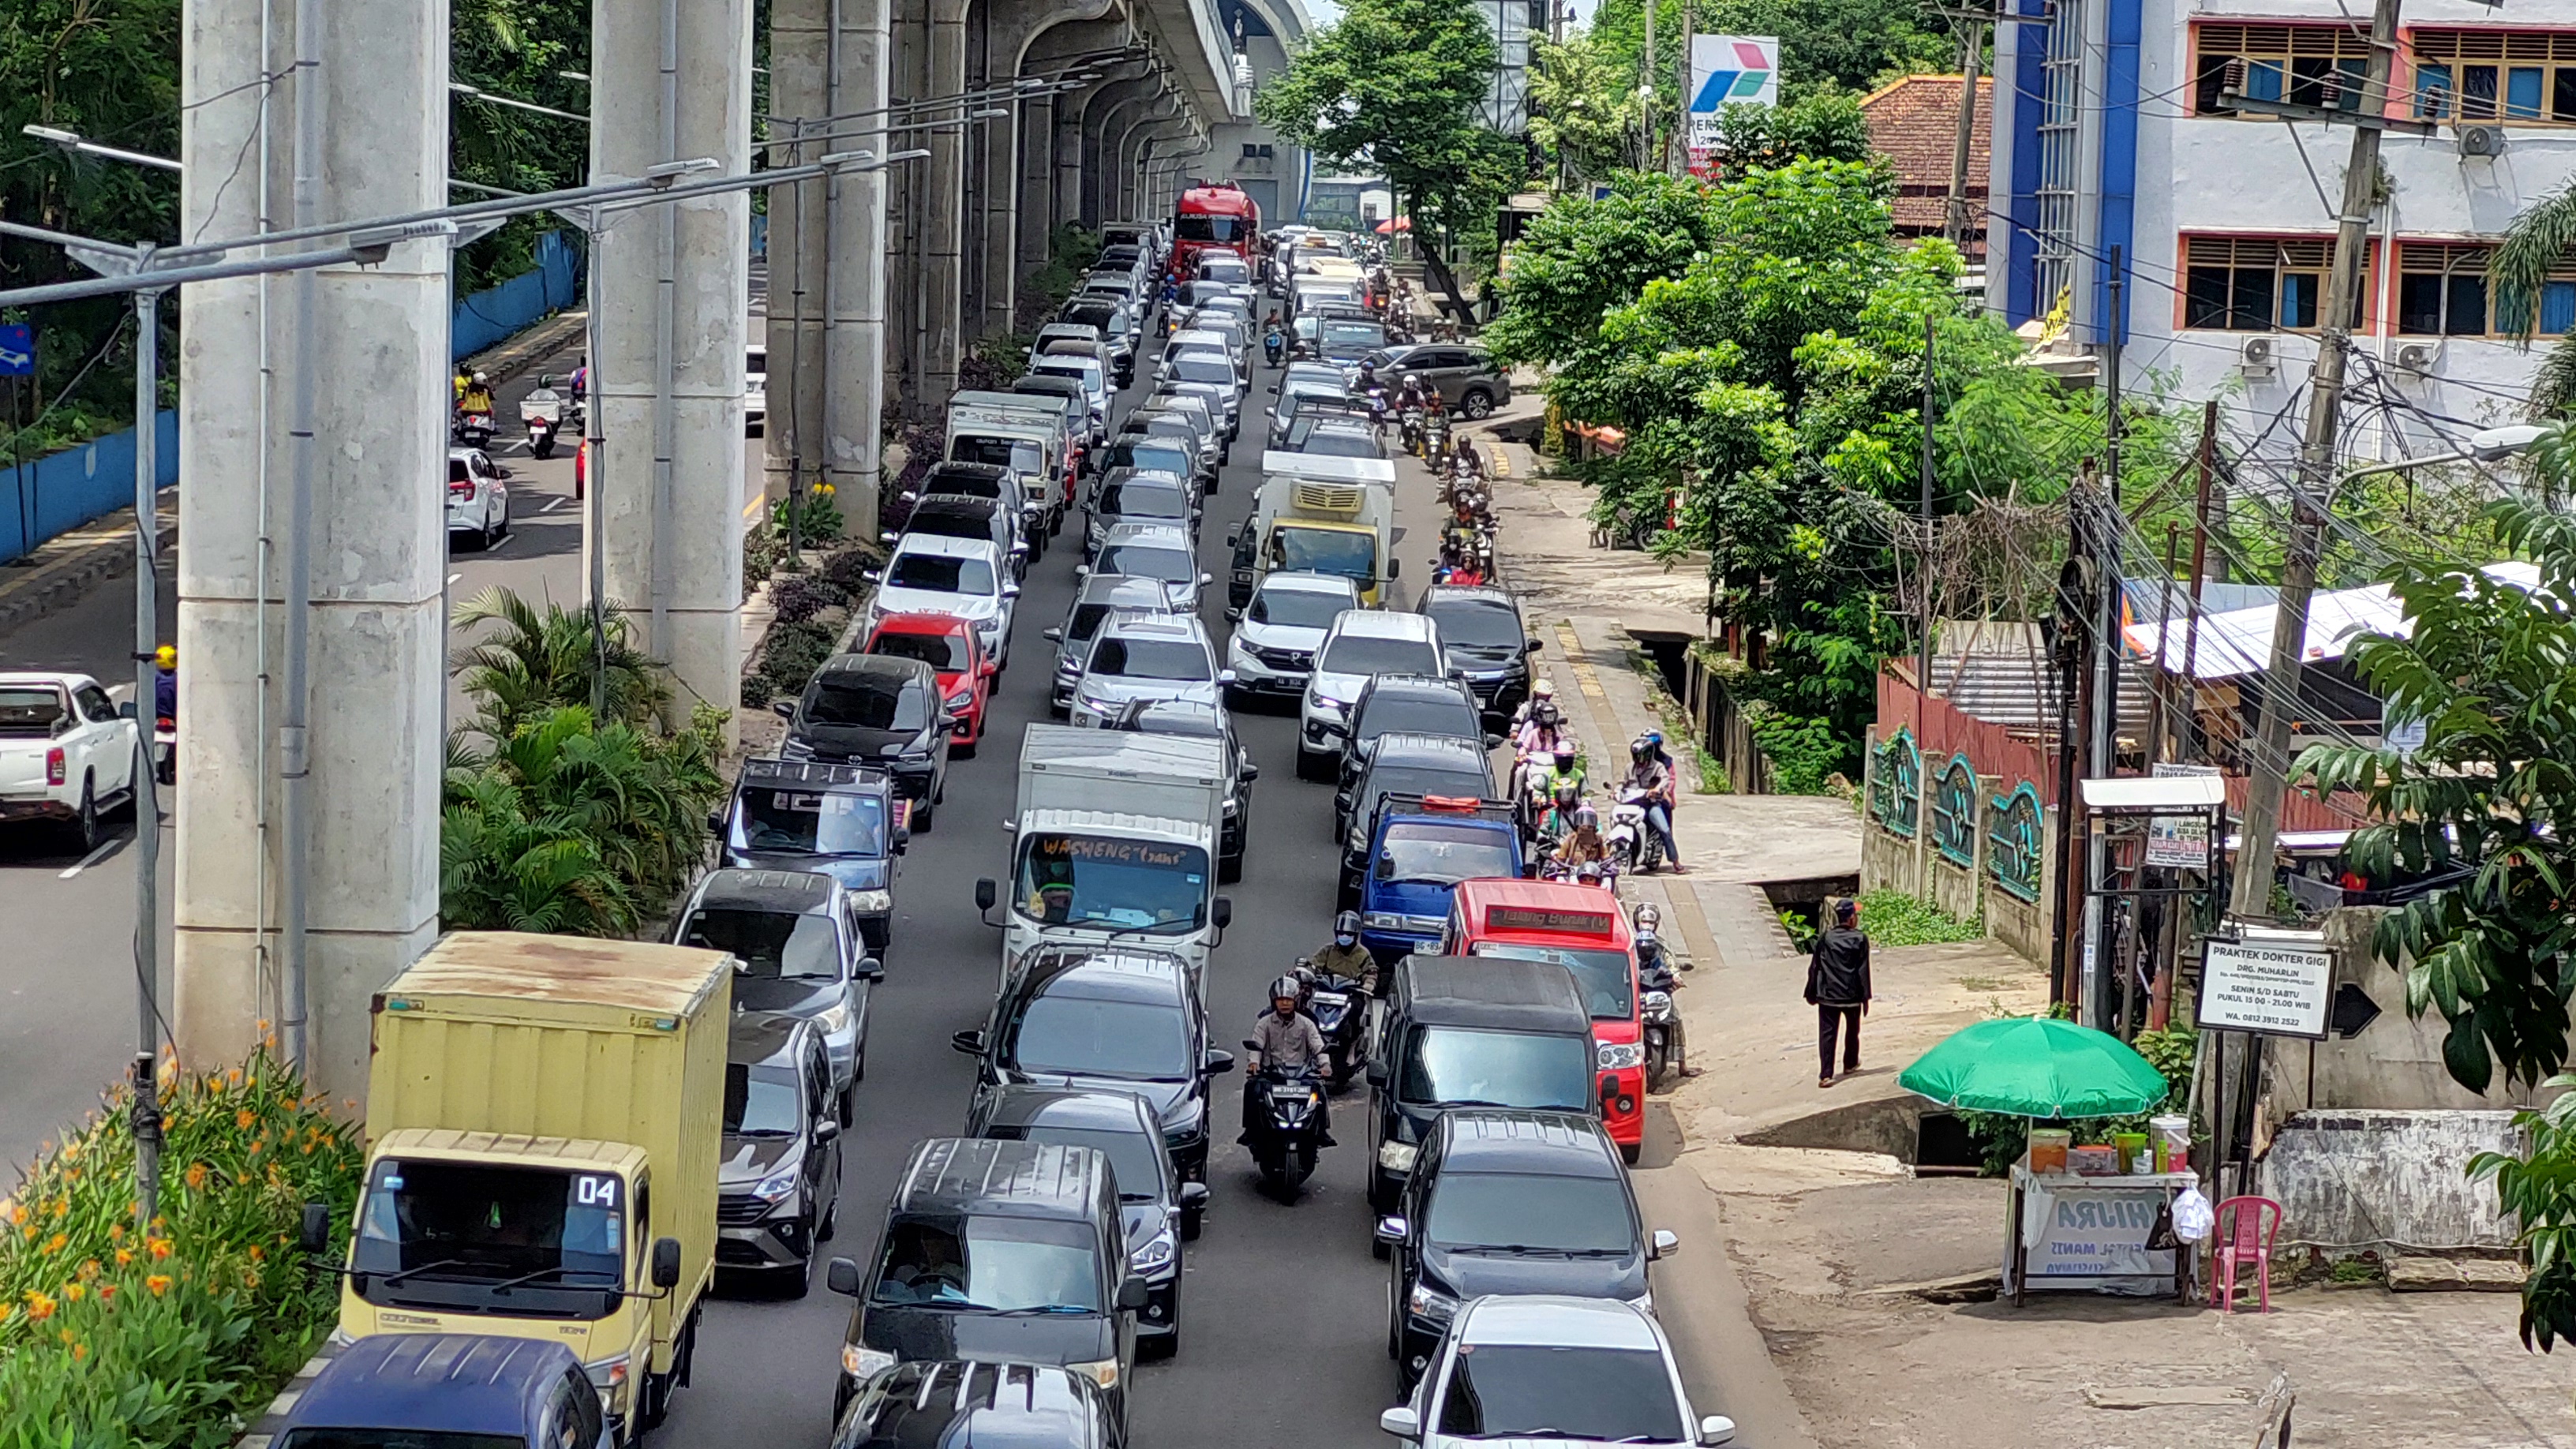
[1894, 918]
[1984, 983]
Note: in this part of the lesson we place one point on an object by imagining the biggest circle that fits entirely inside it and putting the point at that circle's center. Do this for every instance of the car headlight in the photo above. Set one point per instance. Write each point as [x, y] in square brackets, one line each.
[864, 1363]
[1382, 921]
[607, 1375]
[1155, 1253]
[834, 1019]
[871, 902]
[1397, 1156]
[1612, 1056]
[1428, 1302]
[961, 699]
[1104, 1372]
[778, 1184]
[1645, 1299]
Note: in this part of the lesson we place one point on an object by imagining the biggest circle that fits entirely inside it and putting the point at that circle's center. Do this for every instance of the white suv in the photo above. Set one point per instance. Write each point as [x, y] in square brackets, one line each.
[967, 577]
[1362, 643]
[1276, 635]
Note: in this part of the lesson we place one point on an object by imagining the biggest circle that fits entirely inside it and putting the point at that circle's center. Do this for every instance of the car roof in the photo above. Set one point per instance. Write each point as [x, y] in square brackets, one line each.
[456, 1383]
[1493, 991]
[1550, 1144]
[1306, 581]
[1550, 1320]
[1397, 750]
[761, 1038]
[1383, 624]
[1091, 974]
[1050, 383]
[1416, 686]
[1020, 1105]
[1145, 531]
[913, 670]
[1191, 717]
[1183, 627]
[944, 546]
[961, 1175]
[1159, 477]
[803, 892]
[958, 468]
[964, 504]
[936, 1404]
[773, 774]
[1116, 589]
[1476, 897]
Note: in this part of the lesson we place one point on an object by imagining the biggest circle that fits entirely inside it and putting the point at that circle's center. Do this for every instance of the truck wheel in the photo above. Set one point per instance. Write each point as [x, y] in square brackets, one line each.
[1229, 868]
[84, 826]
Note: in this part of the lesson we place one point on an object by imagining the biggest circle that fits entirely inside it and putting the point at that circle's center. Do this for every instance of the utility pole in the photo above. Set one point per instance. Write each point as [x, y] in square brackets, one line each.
[147, 802]
[1923, 671]
[2267, 763]
[1960, 222]
[2103, 738]
[1652, 160]
[1682, 87]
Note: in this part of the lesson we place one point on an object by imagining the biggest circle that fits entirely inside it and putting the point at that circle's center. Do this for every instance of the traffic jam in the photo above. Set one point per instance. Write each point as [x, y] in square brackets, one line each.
[581, 1153]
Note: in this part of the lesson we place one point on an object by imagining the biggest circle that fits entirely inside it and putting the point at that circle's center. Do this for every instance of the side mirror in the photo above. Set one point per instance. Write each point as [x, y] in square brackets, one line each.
[314, 1234]
[1132, 1296]
[715, 822]
[1376, 1075]
[902, 836]
[1206, 579]
[1082, 571]
[1224, 677]
[1394, 567]
[126, 710]
[871, 969]
[1194, 1196]
[1251, 1046]
[783, 708]
[1053, 634]
[969, 1043]
[1010, 591]
[1663, 1244]
[1222, 912]
[666, 1262]
[986, 893]
[1392, 1231]
[1404, 1423]
[826, 1128]
[990, 669]
[842, 1277]
[1248, 770]
[1232, 616]
[1717, 1429]
[1218, 1063]
[1493, 742]
[1533, 646]
[887, 536]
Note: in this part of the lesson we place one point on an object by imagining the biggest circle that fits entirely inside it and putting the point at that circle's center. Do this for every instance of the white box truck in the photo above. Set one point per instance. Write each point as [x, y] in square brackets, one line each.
[1114, 840]
[1025, 433]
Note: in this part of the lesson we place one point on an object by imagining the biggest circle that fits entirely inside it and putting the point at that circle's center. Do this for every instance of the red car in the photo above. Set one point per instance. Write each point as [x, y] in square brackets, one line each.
[947, 644]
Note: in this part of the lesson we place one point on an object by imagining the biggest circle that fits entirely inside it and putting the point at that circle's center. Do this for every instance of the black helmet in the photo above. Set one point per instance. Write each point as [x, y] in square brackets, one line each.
[1347, 924]
[1287, 988]
[1641, 747]
[1564, 755]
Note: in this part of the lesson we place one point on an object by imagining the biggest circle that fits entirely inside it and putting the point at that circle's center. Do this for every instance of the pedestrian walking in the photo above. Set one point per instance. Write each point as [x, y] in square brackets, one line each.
[1838, 985]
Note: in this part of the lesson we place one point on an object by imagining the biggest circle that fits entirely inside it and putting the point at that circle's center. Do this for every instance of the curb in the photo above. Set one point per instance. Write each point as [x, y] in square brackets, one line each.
[515, 354]
[86, 557]
[265, 1428]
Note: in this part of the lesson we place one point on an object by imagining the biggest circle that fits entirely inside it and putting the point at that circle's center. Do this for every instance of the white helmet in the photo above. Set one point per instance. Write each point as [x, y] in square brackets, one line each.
[1544, 689]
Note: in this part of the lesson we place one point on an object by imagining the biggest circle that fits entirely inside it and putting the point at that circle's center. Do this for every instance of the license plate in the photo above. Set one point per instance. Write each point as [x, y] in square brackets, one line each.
[1330, 998]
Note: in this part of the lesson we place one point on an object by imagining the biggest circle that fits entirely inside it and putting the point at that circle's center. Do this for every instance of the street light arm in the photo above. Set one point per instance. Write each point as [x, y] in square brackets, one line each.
[162, 279]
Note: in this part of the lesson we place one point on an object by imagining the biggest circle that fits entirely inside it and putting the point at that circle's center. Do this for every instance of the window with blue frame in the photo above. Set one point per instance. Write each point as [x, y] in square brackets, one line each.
[2442, 291]
[2256, 284]
[2322, 64]
[2525, 77]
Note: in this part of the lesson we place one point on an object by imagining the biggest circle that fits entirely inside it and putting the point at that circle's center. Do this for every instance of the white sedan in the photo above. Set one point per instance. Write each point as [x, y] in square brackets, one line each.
[1572, 1371]
[478, 496]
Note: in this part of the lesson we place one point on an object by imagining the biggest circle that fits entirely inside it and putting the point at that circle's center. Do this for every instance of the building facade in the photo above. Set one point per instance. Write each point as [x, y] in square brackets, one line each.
[2111, 139]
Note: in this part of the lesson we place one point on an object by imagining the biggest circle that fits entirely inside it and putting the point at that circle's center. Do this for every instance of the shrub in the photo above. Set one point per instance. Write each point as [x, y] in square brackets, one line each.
[848, 571]
[816, 518]
[172, 1335]
[1803, 751]
[757, 691]
[794, 652]
[793, 600]
[1894, 918]
[761, 551]
[539, 659]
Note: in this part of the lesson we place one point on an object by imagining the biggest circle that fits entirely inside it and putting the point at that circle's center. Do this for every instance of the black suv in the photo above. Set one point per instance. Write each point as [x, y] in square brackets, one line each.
[989, 1405]
[836, 820]
[1484, 642]
[881, 710]
[793, 936]
[778, 1184]
[1404, 704]
[1509, 1202]
[1408, 765]
[953, 515]
[1111, 1020]
[1158, 1209]
[1470, 1031]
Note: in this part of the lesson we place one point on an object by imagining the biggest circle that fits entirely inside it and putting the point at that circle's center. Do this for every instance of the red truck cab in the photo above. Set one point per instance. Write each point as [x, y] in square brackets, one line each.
[1581, 928]
[1216, 216]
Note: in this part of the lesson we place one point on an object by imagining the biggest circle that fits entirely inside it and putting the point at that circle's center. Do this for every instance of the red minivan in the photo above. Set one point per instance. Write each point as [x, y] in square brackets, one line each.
[947, 644]
[1582, 928]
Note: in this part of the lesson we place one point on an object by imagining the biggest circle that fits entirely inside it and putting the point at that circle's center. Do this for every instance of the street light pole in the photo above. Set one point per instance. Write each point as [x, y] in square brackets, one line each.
[147, 804]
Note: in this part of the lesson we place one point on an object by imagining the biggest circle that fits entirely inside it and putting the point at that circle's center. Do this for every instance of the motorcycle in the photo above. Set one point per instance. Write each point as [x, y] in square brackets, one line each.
[1409, 429]
[1340, 1012]
[1662, 1022]
[541, 412]
[1290, 1122]
[165, 749]
[474, 430]
[1377, 412]
[1635, 845]
[1273, 345]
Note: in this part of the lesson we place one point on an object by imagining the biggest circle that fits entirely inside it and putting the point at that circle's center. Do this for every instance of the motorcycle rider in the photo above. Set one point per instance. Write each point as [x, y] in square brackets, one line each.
[1565, 798]
[1346, 957]
[1655, 973]
[1286, 1038]
[1274, 336]
[1582, 844]
[1651, 770]
[476, 397]
[165, 684]
[1542, 691]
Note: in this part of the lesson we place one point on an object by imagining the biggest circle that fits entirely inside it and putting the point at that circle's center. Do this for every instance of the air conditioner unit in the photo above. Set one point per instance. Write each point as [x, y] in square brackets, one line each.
[2257, 357]
[2419, 358]
[2481, 140]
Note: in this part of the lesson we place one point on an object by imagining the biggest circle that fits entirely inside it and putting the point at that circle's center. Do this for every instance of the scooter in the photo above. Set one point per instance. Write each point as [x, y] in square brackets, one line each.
[1289, 1127]
[1340, 1010]
[474, 430]
[165, 749]
[1631, 841]
[1662, 1023]
[541, 412]
[1409, 429]
[1273, 346]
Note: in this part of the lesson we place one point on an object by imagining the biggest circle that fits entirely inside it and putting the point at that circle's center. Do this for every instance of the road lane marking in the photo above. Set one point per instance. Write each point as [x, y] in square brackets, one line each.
[452, 578]
[90, 859]
[553, 503]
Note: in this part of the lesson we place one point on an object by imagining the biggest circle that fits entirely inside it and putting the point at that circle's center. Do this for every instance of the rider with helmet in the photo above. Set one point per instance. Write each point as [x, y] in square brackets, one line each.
[1542, 691]
[1346, 957]
[1288, 1039]
[1655, 973]
[1413, 394]
[1650, 770]
[1582, 844]
[165, 683]
[477, 396]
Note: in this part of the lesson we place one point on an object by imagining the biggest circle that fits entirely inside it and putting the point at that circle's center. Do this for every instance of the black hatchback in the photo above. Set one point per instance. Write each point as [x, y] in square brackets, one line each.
[1484, 642]
[1510, 1202]
[986, 1405]
[881, 710]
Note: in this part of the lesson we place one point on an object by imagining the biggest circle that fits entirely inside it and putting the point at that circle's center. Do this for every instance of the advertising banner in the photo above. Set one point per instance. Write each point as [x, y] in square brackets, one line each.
[1724, 69]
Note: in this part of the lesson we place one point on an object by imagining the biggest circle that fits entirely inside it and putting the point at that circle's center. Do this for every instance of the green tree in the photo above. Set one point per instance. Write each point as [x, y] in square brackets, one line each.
[1825, 123]
[1397, 84]
[1580, 258]
[1583, 108]
[520, 49]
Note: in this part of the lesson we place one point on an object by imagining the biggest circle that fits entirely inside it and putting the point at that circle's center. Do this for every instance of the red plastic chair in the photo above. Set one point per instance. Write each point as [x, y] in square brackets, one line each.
[2244, 1233]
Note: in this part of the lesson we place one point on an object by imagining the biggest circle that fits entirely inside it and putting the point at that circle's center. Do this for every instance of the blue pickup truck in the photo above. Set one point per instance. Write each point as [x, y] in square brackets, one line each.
[1420, 847]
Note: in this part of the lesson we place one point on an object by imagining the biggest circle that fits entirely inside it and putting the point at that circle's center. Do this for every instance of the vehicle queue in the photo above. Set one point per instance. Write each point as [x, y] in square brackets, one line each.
[1492, 996]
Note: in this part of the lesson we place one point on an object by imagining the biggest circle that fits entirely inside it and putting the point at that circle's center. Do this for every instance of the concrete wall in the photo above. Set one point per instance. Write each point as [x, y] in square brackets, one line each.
[1890, 860]
[495, 313]
[2395, 1062]
[2348, 1180]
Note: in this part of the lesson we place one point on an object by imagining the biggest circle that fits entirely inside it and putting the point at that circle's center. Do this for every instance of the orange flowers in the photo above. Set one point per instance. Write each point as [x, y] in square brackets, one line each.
[75, 1292]
[57, 1242]
[159, 1248]
[195, 1176]
[124, 1256]
[244, 1118]
[257, 1253]
[39, 1307]
[158, 1283]
[79, 1351]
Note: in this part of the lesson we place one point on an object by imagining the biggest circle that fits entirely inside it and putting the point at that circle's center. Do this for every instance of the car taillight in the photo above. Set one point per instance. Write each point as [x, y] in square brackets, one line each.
[54, 768]
[461, 488]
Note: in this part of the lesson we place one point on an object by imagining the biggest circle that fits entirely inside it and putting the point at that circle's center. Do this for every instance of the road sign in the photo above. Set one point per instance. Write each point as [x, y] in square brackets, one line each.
[17, 350]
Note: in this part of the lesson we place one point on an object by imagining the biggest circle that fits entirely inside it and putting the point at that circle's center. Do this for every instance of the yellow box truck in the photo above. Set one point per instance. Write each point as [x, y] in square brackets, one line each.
[544, 1119]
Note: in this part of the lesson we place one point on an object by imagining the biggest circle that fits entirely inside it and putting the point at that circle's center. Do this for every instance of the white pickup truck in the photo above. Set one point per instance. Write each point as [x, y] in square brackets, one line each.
[67, 752]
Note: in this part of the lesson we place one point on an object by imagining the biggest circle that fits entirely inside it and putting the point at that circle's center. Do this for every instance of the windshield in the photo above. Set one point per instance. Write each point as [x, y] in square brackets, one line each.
[943, 652]
[1136, 1158]
[1607, 978]
[769, 943]
[1522, 1391]
[999, 1265]
[1015, 454]
[1441, 854]
[1454, 1066]
[1107, 319]
[1135, 453]
[1077, 1036]
[1149, 561]
[1339, 443]
[1143, 500]
[1101, 882]
[395, 1439]
[1385, 715]
[482, 1225]
[1352, 337]
[941, 573]
[796, 820]
[1350, 554]
[1179, 660]
[1199, 367]
[1200, 227]
[1558, 1214]
[1488, 625]
[1376, 654]
[1087, 375]
[1297, 608]
[29, 712]
[762, 1101]
[963, 485]
[856, 699]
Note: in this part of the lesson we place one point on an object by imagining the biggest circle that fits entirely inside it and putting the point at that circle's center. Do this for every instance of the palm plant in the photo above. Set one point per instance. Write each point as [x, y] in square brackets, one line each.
[2538, 242]
[541, 659]
[503, 865]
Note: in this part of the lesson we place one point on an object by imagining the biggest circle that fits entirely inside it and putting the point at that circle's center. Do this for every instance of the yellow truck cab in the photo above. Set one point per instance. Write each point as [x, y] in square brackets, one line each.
[1324, 515]
[544, 1124]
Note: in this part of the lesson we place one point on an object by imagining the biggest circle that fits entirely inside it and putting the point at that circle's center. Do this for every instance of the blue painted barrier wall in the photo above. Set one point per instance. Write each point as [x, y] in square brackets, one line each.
[495, 313]
[61, 491]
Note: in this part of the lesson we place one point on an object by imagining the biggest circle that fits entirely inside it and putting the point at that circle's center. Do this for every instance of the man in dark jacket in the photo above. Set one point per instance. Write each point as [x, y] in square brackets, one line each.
[1838, 984]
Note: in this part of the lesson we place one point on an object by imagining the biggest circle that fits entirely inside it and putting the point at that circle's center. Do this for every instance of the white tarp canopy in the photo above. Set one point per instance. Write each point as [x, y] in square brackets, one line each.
[2156, 792]
[2240, 640]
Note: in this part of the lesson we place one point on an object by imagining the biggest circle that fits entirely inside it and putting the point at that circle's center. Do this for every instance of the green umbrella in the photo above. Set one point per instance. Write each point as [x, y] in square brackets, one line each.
[2037, 1067]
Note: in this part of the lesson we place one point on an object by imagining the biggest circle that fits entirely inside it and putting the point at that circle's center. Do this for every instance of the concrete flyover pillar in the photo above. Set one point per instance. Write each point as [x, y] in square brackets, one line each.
[1033, 209]
[375, 633]
[1128, 154]
[939, 336]
[674, 284]
[1076, 119]
[829, 238]
[1057, 44]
